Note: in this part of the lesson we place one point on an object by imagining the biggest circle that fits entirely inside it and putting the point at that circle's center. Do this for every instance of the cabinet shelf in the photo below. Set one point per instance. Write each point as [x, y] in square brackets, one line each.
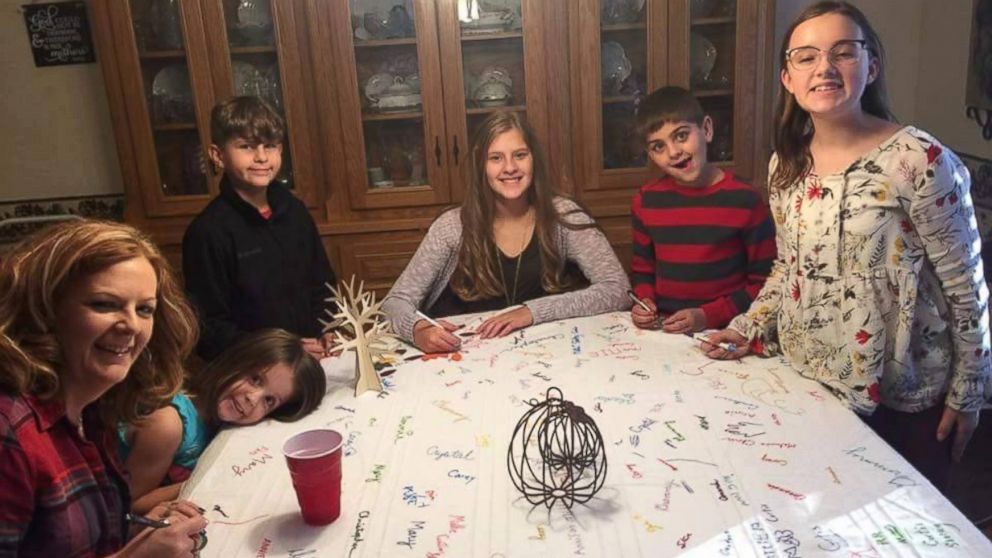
[619, 27]
[487, 110]
[381, 116]
[492, 36]
[253, 50]
[713, 20]
[174, 127]
[618, 99]
[161, 54]
[385, 42]
[713, 92]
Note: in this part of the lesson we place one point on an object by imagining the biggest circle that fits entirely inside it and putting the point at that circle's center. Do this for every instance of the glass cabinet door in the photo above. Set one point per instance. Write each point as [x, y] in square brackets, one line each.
[391, 101]
[615, 72]
[249, 58]
[712, 32]
[495, 65]
[168, 92]
[717, 61]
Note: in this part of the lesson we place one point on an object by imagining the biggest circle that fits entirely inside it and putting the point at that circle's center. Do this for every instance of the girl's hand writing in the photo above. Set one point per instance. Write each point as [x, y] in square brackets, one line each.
[432, 339]
[711, 347]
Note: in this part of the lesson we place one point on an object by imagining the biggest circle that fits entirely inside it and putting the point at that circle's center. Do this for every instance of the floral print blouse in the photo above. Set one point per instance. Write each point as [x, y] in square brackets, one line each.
[878, 290]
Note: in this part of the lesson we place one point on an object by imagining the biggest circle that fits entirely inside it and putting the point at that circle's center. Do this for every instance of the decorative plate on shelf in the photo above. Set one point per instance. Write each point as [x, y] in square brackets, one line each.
[615, 66]
[702, 57]
[172, 96]
[254, 20]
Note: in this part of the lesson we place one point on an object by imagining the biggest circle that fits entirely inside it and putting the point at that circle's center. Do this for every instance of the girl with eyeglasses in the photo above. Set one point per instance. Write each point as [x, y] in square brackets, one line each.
[878, 290]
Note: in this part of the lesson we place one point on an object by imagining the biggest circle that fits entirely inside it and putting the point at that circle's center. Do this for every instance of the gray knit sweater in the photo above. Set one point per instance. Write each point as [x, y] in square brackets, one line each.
[427, 274]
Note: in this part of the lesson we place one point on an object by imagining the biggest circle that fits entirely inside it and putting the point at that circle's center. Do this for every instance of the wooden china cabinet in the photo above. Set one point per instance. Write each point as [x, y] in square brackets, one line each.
[381, 98]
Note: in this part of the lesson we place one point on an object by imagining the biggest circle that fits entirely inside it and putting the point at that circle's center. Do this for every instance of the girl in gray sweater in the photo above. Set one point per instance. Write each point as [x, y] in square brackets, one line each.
[512, 243]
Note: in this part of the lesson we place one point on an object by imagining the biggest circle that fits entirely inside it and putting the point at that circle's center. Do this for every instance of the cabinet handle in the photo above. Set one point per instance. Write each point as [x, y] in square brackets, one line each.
[456, 150]
[437, 150]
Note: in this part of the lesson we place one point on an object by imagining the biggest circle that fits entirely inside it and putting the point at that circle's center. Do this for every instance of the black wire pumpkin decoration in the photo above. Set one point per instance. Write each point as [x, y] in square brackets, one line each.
[556, 453]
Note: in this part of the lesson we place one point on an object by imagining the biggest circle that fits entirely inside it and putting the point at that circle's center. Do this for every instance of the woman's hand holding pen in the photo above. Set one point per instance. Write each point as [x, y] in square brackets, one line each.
[181, 537]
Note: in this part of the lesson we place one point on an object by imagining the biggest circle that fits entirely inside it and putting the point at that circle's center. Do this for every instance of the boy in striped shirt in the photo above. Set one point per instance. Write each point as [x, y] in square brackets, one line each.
[703, 242]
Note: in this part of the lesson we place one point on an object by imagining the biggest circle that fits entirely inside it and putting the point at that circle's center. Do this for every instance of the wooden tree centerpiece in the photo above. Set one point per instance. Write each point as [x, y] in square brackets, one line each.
[360, 325]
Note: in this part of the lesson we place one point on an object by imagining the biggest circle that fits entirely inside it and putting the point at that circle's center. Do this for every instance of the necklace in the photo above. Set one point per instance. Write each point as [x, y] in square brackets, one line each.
[511, 298]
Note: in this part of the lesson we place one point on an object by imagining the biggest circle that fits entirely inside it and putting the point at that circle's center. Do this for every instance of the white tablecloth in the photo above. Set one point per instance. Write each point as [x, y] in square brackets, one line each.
[705, 458]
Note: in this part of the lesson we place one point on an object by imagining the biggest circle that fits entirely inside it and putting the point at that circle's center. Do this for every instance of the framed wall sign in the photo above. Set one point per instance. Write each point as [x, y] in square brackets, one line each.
[59, 33]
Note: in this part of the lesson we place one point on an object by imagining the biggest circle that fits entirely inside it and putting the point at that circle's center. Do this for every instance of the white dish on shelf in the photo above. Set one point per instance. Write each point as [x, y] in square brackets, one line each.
[489, 22]
[399, 102]
[377, 85]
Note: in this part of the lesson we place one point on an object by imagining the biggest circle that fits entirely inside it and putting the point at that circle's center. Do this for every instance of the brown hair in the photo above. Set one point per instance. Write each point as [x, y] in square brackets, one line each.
[250, 118]
[476, 274]
[666, 105]
[35, 277]
[256, 353]
[793, 126]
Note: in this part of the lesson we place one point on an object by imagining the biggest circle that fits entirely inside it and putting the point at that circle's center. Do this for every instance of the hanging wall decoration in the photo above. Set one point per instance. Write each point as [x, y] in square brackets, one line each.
[59, 33]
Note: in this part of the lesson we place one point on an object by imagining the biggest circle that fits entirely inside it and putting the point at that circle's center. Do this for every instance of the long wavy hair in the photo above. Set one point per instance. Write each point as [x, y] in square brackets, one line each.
[256, 353]
[34, 279]
[793, 126]
[476, 275]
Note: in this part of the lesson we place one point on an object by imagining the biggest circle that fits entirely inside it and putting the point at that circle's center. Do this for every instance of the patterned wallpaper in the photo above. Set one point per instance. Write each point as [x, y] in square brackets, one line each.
[96, 207]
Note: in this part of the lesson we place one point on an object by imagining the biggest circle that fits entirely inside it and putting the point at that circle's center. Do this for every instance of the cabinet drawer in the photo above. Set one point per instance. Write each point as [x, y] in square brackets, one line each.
[377, 259]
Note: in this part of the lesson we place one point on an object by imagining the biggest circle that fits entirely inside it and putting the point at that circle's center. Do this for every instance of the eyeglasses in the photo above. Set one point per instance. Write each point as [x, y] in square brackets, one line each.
[844, 53]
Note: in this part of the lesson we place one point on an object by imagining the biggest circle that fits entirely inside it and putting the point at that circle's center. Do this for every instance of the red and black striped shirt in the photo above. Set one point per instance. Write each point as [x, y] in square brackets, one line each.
[708, 248]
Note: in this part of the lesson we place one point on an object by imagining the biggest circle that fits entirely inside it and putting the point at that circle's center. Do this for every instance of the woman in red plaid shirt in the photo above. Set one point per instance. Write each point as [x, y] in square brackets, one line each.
[93, 331]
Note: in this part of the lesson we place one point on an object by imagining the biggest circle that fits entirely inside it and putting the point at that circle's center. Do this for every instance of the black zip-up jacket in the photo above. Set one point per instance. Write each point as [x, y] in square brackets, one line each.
[244, 272]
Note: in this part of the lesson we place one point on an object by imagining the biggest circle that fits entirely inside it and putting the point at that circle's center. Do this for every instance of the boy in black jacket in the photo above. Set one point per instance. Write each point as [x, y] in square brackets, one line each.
[253, 258]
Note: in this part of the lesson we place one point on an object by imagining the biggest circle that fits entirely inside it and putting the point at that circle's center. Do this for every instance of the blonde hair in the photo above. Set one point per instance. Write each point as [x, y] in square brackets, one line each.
[34, 278]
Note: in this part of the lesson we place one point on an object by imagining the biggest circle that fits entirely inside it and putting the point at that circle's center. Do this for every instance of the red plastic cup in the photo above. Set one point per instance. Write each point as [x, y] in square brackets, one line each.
[314, 459]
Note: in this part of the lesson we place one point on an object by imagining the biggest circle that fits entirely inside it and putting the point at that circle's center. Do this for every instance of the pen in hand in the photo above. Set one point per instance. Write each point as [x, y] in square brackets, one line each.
[145, 521]
[638, 301]
[429, 319]
[729, 347]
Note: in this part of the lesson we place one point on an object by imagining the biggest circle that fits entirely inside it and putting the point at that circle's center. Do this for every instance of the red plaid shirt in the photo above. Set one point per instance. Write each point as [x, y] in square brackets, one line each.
[60, 495]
